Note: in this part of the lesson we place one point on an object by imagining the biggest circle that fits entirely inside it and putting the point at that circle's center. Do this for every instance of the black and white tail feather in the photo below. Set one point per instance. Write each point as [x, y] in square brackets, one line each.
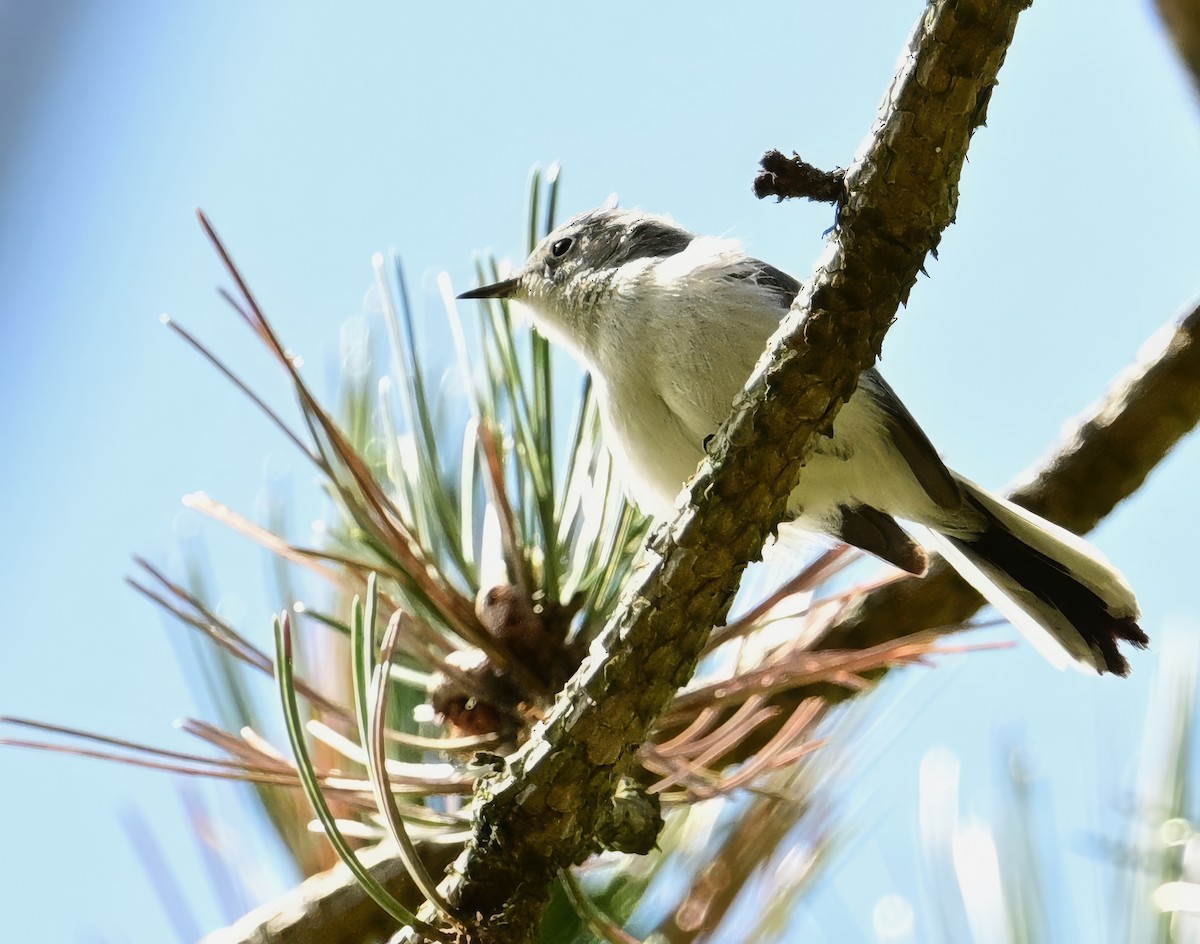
[1058, 590]
[671, 324]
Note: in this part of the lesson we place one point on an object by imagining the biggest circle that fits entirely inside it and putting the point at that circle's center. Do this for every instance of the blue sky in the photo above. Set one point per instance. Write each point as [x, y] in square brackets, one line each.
[314, 137]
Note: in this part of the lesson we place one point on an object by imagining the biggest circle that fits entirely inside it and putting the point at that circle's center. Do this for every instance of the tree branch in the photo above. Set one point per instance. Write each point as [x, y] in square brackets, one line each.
[789, 178]
[1182, 19]
[332, 908]
[543, 812]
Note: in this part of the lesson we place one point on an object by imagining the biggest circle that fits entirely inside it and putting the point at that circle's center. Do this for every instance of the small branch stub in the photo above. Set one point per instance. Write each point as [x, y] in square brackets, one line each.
[787, 178]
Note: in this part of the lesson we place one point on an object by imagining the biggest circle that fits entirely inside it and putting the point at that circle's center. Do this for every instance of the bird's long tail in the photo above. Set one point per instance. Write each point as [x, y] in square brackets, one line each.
[1069, 601]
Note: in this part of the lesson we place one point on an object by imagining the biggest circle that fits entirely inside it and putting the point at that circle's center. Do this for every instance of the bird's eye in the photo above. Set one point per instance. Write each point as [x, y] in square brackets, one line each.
[560, 247]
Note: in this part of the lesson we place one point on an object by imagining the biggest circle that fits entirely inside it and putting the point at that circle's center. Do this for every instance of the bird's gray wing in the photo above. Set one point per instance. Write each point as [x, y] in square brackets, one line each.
[912, 443]
[781, 286]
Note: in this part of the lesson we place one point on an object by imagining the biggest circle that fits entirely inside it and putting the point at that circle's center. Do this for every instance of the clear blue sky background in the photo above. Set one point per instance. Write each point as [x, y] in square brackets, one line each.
[314, 136]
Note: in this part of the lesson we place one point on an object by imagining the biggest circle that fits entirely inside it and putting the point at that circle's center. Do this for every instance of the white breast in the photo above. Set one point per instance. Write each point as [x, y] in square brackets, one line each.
[681, 343]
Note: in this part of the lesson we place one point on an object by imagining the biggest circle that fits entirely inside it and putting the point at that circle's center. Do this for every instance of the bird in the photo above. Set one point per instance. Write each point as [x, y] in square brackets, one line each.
[670, 325]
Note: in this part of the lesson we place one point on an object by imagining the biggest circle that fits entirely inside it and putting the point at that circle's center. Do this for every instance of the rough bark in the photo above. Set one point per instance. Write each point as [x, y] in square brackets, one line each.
[1182, 19]
[332, 908]
[542, 812]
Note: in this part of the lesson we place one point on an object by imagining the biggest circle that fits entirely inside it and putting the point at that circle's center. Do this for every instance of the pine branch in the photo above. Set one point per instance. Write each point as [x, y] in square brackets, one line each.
[1182, 20]
[544, 810]
[332, 908]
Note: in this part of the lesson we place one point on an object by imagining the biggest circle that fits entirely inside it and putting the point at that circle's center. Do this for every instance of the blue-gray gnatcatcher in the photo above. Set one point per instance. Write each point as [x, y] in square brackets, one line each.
[670, 326]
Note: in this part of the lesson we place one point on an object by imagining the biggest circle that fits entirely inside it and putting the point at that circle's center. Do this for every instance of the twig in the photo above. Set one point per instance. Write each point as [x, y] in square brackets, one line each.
[787, 178]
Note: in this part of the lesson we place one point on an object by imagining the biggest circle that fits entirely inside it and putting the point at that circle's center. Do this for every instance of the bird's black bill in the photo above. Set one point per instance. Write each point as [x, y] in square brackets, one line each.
[503, 289]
